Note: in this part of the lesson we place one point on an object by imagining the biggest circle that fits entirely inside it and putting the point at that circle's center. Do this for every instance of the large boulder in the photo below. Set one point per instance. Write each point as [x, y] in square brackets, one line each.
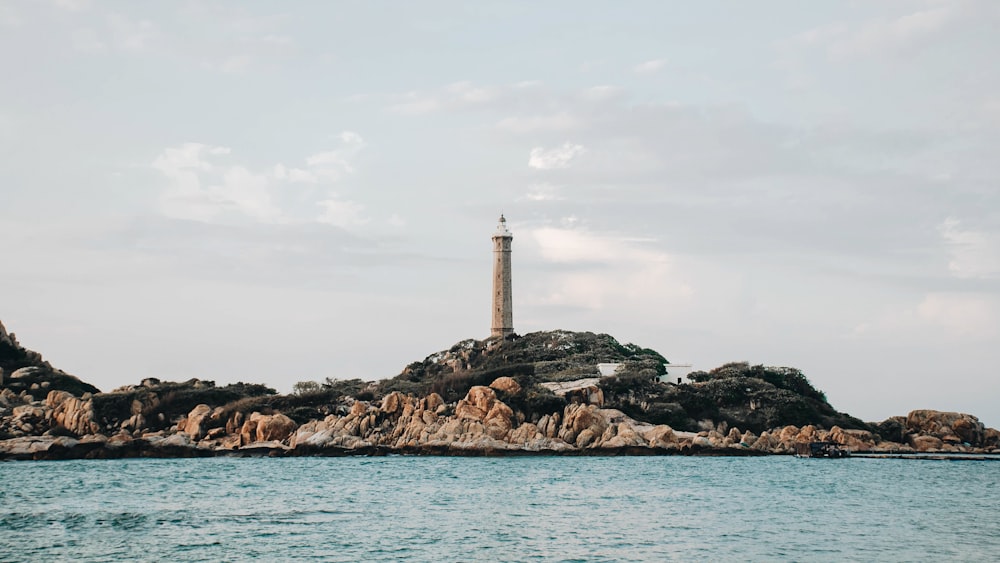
[950, 426]
[72, 413]
[578, 418]
[476, 404]
[358, 409]
[855, 440]
[586, 437]
[524, 434]
[193, 424]
[507, 385]
[248, 431]
[275, 427]
[788, 434]
[393, 403]
[433, 403]
[991, 438]
[499, 420]
[26, 372]
[27, 420]
[893, 429]
[622, 435]
[925, 443]
[661, 436]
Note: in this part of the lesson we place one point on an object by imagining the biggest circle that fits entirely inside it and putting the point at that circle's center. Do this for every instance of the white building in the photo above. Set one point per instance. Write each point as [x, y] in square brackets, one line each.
[675, 372]
[608, 369]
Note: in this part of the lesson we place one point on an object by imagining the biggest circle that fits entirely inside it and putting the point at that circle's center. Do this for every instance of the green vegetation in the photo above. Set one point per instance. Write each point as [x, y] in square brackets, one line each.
[752, 398]
[162, 403]
[530, 359]
[306, 387]
[43, 377]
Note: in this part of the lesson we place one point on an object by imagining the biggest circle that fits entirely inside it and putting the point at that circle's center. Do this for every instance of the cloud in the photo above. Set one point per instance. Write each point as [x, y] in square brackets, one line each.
[974, 254]
[599, 94]
[10, 17]
[892, 36]
[332, 165]
[248, 193]
[542, 192]
[880, 36]
[278, 40]
[938, 315]
[86, 40]
[600, 270]
[131, 35]
[342, 213]
[235, 64]
[415, 104]
[203, 186]
[649, 67]
[228, 188]
[458, 95]
[294, 174]
[962, 315]
[559, 157]
[561, 121]
[72, 5]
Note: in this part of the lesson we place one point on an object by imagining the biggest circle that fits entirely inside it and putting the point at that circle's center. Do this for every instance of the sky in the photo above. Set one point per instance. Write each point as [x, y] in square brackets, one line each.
[276, 192]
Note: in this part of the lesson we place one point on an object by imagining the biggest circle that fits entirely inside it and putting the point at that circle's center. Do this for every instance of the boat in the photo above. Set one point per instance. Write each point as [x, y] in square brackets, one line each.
[821, 449]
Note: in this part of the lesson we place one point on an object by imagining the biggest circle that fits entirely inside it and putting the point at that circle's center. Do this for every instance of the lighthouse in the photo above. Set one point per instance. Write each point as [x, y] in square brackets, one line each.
[503, 309]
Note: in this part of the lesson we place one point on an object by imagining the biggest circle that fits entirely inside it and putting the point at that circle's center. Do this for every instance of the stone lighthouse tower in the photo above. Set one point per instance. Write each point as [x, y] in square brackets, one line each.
[503, 309]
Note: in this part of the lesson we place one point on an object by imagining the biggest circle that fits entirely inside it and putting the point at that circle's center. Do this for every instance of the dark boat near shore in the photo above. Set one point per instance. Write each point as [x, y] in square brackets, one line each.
[821, 449]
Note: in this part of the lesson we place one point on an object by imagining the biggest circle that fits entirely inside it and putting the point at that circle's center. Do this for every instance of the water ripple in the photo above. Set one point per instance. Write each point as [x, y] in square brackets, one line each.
[499, 509]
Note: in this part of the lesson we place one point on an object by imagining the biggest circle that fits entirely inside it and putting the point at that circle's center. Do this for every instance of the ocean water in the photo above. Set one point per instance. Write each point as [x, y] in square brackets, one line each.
[500, 509]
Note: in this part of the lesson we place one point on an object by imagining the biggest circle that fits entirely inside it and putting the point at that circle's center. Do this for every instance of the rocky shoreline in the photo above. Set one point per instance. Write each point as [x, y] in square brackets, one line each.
[480, 424]
[524, 395]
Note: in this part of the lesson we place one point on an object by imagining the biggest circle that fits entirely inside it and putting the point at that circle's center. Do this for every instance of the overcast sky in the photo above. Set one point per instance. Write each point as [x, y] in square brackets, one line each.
[276, 192]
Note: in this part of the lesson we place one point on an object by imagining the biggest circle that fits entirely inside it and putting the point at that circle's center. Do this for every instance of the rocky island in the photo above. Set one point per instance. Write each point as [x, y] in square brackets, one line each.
[540, 393]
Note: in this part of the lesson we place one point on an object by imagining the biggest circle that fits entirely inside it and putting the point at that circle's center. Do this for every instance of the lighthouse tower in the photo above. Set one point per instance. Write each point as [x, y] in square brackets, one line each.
[503, 309]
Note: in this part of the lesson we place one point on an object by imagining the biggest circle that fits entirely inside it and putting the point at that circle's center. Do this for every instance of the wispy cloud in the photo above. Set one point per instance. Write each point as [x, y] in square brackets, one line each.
[541, 158]
[453, 96]
[542, 192]
[334, 164]
[602, 270]
[9, 17]
[228, 189]
[936, 316]
[130, 34]
[341, 213]
[878, 36]
[649, 67]
[559, 121]
[974, 253]
[72, 5]
[204, 186]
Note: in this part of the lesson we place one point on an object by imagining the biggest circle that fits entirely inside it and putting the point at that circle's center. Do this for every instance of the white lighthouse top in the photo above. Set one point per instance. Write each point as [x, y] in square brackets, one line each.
[502, 228]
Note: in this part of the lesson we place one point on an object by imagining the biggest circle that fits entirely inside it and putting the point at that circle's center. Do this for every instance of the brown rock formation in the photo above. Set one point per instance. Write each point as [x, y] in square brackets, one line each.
[925, 443]
[661, 436]
[276, 427]
[192, 424]
[72, 413]
[506, 384]
[947, 426]
[585, 420]
[476, 404]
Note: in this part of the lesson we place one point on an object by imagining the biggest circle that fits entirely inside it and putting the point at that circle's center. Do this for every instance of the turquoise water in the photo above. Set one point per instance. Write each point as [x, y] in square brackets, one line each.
[500, 509]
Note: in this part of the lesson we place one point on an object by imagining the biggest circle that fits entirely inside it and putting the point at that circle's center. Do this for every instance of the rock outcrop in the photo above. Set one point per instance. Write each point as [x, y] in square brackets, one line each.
[533, 395]
[72, 413]
[949, 427]
[479, 423]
